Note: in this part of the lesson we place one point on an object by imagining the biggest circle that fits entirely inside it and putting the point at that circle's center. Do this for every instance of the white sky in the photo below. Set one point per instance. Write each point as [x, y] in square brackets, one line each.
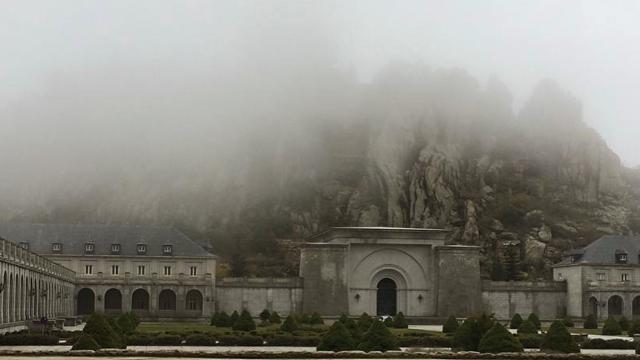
[592, 48]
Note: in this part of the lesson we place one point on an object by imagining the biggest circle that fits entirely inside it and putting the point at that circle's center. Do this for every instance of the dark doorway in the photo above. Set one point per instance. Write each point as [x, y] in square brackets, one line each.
[615, 306]
[86, 301]
[593, 307]
[113, 300]
[167, 300]
[635, 308]
[387, 297]
[140, 300]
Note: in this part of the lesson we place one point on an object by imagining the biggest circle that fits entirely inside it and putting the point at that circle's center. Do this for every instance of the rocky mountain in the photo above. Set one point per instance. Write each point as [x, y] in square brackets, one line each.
[417, 147]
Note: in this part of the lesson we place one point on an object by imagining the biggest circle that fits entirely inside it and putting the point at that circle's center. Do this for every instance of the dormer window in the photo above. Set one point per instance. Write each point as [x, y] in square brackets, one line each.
[621, 257]
[89, 248]
[24, 245]
[56, 247]
[115, 249]
[575, 258]
[141, 249]
[167, 249]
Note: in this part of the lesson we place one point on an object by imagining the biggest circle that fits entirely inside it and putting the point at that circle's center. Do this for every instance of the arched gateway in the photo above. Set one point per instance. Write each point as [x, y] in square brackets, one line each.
[387, 297]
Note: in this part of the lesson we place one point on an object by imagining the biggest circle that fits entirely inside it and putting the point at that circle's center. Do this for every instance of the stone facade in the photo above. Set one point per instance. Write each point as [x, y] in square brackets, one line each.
[283, 295]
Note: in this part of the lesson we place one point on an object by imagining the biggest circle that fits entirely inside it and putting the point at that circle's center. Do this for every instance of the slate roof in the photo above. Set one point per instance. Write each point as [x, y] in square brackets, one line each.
[604, 250]
[74, 236]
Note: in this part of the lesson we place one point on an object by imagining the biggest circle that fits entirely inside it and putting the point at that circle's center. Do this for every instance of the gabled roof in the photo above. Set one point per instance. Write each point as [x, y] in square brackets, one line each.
[74, 236]
[605, 249]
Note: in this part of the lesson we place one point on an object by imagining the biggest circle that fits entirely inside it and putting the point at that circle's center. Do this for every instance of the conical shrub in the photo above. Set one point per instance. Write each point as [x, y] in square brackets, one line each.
[98, 327]
[451, 325]
[85, 342]
[516, 321]
[590, 322]
[611, 327]
[527, 327]
[378, 338]
[275, 318]
[468, 335]
[290, 324]
[400, 322]
[337, 338]
[244, 323]
[497, 340]
[535, 320]
[558, 339]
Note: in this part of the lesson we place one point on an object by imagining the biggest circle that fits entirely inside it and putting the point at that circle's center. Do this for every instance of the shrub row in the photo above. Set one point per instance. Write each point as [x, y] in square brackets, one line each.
[28, 339]
[223, 340]
[608, 344]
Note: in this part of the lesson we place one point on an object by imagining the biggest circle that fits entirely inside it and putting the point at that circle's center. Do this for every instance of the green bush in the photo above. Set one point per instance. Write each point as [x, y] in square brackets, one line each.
[400, 322]
[98, 327]
[235, 316]
[516, 320]
[634, 328]
[85, 342]
[316, 319]
[304, 319]
[568, 322]
[200, 340]
[485, 322]
[290, 324]
[23, 338]
[223, 320]
[128, 322]
[424, 341]
[590, 322]
[451, 325]
[139, 339]
[611, 344]
[624, 323]
[275, 318]
[364, 322]
[265, 315]
[337, 338]
[388, 322]
[530, 341]
[291, 340]
[558, 339]
[378, 338]
[535, 320]
[354, 330]
[228, 340]
[497, 340]
[249, 340]
[468, 335]
[527, 328]
[611, 327]
[244, 323]
[166, 340]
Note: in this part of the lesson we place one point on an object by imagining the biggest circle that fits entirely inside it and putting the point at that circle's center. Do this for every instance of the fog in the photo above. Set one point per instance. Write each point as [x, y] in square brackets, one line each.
[173, 96]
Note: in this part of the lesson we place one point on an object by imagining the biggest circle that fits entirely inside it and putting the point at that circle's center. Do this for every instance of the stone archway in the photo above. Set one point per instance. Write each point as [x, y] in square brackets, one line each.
[86, 301]
[593, 307]
[113, 300]
[140, 300]
[193, 303]
[635, 307]
[167, 300]
[386, 297]
[615, 306]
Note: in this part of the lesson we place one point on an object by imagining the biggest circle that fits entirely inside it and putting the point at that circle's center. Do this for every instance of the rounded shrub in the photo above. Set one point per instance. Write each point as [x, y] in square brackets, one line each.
[468, 335]
[85, 342]
[378, 338]
[234, 317]
[558, 339]
[450, 326]
[364, 322]
[497, 340]
[290, 324]
[634, 328]
[316, 319]
[611, 327]
[223, 320]
[98, 327]
[337, 338]
[624, 323]
[244, 323]
[275, 318]
[568, 322]
[516, 320]
[400, 322]
[535, 320]
[200, 340]
[527, 327]
[590, 322]
[265, 315]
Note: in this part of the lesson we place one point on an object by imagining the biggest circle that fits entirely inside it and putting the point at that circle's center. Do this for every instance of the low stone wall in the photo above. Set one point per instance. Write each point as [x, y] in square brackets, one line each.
[283, 295]
[505, 298]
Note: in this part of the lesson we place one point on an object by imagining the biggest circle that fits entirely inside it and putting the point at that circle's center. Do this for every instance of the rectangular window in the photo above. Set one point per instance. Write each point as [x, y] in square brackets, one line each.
[193, 271]
[167, 270]
[167, 249]
[56, 247]
[601, 276]
[115, 269]
[621, 258]
[88, 269]
[115, 249]
[140, 269]
[89, 248]
[142, 249]
[624, 277]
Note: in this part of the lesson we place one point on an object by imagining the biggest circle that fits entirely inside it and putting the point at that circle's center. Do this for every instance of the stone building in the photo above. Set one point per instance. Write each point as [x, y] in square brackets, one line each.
[157, 272]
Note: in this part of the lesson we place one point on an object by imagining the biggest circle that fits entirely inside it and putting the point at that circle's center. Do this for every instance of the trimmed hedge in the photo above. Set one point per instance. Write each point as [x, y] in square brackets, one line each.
[516, 321]
[530, 341]
[85, 342]
[608, 344]
[451, 325]
[611, 327]
[535, 320]
[28, 339]
[590, 322]
[527, 327]
[497, 340]
[558, 339]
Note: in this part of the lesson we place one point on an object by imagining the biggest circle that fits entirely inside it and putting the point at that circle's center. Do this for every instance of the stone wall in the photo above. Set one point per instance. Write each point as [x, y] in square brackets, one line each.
[324, 269]
[505, 298]
[283, 295]
[459, 285]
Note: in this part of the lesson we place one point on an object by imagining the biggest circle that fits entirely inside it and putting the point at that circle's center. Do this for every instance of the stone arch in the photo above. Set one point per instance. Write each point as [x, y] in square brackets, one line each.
[86, 301]
[12, 298]
[113, 300]
[140, 300]
[193, 302]
[635, 307]
[5, 291]
[22, 306]
[615, 305]
[386, 297]
[167, 300]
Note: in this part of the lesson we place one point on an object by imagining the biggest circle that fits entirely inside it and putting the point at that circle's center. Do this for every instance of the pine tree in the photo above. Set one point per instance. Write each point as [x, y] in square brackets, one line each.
[233, 318]
[337, 338]
[558, 339]
[364, 322]
[468, 335]
[497, 340]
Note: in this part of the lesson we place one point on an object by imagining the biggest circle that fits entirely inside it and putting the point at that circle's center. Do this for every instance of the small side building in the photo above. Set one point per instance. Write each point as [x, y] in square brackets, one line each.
[351, 270]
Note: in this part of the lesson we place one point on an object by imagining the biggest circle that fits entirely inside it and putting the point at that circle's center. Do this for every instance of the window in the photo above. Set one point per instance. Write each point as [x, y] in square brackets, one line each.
[56, 247]
[24, 245]
[601, 276]
[115, 249]
[624, 277]
[560, 276]
[167, 270]
[88, 269]
[89, 248]
[167, 249]
[140, 269]
[142, 249]
[621, 258]
[115, 269]
[193, 271]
